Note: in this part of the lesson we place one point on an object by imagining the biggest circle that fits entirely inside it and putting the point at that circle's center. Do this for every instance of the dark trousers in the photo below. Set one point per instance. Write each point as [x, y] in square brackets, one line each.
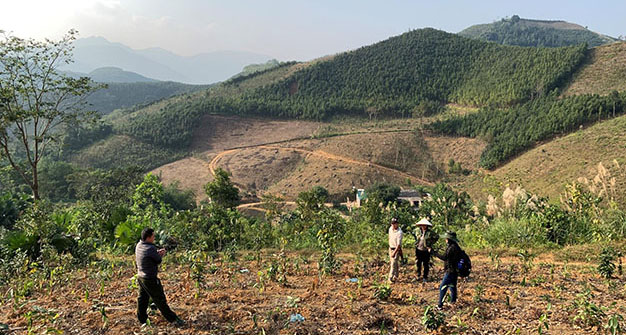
[422, 258]
[152, 288]
[449, 282]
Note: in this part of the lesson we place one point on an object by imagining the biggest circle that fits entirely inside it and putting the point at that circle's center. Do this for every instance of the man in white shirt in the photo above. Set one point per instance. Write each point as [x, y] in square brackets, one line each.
[395, 249]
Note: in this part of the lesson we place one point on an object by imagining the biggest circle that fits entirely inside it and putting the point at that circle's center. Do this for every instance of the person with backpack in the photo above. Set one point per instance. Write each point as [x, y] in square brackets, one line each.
[456, 263]
[425, 239]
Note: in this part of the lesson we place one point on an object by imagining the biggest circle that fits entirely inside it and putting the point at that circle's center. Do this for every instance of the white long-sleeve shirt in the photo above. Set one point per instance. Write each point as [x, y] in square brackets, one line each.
[395, 237]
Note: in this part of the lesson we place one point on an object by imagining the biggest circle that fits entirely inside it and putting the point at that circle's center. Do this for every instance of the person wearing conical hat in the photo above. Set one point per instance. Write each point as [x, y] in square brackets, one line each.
[425, 240]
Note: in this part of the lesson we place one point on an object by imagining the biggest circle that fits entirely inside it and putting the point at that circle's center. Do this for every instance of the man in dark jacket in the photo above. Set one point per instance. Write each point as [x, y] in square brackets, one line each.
[451, 260]
[148, 259]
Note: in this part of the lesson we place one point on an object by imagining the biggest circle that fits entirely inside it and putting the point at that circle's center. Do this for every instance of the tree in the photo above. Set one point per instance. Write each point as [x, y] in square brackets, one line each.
[35, 99]
[311, 202]
[221, 190]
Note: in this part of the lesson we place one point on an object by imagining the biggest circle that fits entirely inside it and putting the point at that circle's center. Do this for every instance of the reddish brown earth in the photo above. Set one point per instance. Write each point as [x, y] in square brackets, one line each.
[497, 299]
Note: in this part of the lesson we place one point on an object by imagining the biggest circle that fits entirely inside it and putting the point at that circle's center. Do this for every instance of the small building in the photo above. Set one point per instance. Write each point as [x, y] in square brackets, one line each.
[414, 197]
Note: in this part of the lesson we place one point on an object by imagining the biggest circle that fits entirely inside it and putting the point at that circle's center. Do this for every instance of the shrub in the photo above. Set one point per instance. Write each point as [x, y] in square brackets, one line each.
[433, 319]
[606, 266]
[331, 230]
[382, 291]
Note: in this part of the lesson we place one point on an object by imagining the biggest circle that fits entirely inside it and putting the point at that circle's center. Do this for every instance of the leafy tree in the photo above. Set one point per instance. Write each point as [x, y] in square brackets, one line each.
[447, 207]
[331, 230]
[35, 98]
[11, 207]
[222, 191]
[148, 210]
[177, 199]
[310, 203]
[382, 192]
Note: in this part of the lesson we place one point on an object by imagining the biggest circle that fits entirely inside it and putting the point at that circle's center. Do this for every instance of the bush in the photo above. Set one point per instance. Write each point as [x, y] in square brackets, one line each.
[11, 207]
[514, 232]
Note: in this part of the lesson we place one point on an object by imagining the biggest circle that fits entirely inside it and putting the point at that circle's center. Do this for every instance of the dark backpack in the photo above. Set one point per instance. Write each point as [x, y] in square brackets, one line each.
[465, 265]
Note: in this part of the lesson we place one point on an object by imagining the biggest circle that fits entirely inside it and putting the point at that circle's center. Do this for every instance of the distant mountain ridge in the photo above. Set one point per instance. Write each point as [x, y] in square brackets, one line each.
[111, 74]
[96, 52]
[536, 33]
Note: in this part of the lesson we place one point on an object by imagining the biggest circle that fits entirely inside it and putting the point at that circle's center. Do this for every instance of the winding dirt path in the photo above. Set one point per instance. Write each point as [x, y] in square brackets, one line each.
[213, 165]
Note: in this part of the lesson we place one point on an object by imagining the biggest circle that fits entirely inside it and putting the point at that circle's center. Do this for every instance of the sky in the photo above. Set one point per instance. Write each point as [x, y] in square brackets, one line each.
[283, 29]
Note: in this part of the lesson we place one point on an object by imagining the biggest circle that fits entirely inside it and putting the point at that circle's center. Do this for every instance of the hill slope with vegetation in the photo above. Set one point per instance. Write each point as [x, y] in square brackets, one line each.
[394, 76]
[126, 95]
[535, 33]
[548, 167]
[603, 73]
[411, 74]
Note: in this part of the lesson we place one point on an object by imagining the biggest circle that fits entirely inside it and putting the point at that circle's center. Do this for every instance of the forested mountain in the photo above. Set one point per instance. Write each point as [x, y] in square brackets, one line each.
[535, 33]
[111, 74]
[414, 73]
[125, 95]
[394, 76]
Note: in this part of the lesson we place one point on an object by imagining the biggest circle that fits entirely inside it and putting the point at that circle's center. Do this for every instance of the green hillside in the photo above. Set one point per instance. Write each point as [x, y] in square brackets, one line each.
[394, 76]
[126, 95]
[514, 130]
[535, 33]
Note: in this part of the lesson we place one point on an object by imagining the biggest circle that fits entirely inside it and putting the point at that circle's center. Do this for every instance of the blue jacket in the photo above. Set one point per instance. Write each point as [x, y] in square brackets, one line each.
[147, 259]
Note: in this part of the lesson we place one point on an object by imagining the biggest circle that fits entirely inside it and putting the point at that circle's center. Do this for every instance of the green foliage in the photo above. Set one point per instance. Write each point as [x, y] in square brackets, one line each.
[54, 180]
[222, 191]
[120, 151]
[433, 318]
[177, 199]
[311, 202]
[588, 314]
[331, 230]
[382, 291]
[148, 210]
[35, 98]
[77, 137]
[428, 108]
[394, 76]
[615, 324]
[511, 131]
[382, 192]
[533, 33]
[606, 266]
[171, 126]
[447, 207]
[126, 95]
[11, 206]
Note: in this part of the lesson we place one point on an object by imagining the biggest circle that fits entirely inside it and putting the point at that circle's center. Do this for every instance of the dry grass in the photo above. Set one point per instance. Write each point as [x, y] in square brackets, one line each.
[287, 157]
[546, 169]
[605, 72]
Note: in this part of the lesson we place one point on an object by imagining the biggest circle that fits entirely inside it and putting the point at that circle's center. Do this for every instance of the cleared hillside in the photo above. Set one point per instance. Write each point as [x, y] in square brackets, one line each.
[287, 157]
[604, 73]
[535, 33]
[547, 168]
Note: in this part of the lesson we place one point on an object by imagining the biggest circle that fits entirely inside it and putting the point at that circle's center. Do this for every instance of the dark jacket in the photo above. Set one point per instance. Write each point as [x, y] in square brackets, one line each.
[147, 259]
[451, 257]
[431, 237]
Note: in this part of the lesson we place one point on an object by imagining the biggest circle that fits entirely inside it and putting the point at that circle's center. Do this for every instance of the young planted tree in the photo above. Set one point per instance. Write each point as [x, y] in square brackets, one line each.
[35, 99]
